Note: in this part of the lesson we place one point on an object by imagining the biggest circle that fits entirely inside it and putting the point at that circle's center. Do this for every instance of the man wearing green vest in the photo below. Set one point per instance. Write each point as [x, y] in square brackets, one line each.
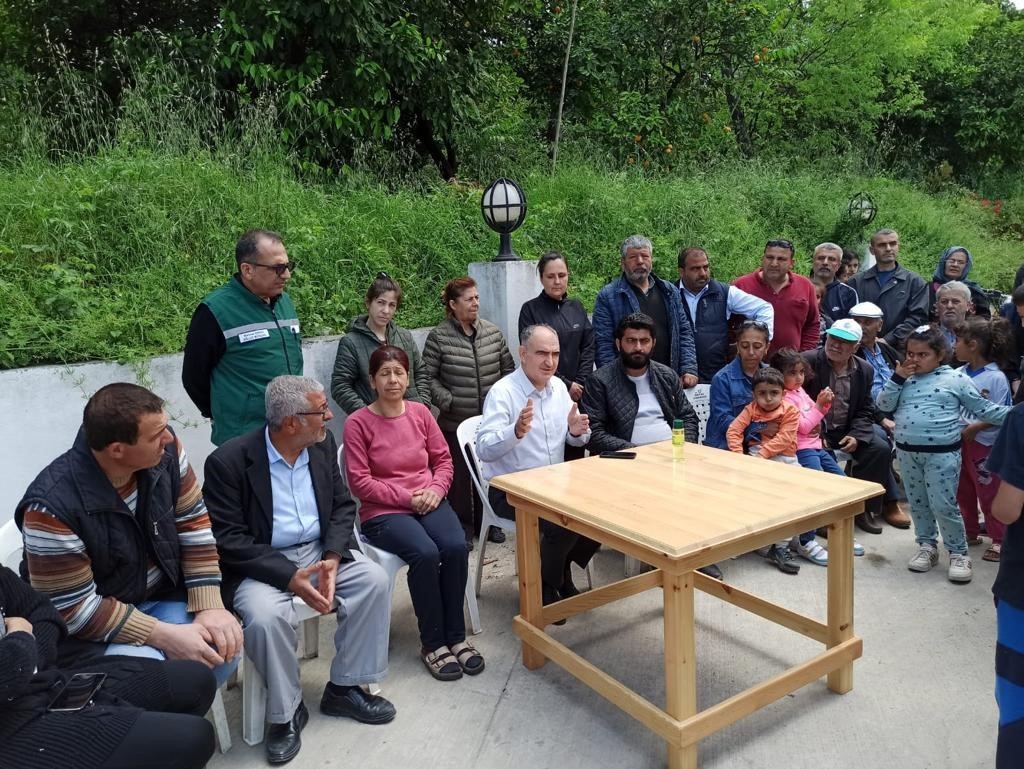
[241, 336]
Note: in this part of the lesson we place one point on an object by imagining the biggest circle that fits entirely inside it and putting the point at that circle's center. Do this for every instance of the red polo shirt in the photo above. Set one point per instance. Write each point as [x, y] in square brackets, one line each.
[797, 321]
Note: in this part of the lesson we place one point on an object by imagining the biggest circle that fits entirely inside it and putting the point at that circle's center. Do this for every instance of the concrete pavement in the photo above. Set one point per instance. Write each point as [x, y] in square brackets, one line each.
[922, 696]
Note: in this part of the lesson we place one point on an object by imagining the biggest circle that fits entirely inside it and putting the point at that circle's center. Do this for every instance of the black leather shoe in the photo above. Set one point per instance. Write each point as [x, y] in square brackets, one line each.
[283, 740]
[550, 595]
[495, 535]
[357, 704]
[866, 522]
[712, 571]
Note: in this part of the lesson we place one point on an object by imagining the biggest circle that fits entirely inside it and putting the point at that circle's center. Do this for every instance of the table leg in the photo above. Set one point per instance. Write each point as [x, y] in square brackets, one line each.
[680, 663]
[528, 558]
[840, 598]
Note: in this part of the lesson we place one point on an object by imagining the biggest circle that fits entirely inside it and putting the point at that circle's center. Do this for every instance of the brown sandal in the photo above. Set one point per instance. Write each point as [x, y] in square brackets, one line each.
[993, 552]
[442, 664]
[471, 661]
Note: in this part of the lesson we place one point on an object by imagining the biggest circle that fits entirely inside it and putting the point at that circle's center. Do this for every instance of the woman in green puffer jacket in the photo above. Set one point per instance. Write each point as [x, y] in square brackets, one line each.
[350, 382]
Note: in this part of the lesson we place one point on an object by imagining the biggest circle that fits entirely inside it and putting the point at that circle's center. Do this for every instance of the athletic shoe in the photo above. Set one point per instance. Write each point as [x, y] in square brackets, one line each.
[927, 556]
[960, 567]
[812, 551]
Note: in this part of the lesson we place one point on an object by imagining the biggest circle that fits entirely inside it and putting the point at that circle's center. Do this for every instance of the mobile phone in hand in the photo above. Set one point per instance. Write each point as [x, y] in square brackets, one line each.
[618, 454]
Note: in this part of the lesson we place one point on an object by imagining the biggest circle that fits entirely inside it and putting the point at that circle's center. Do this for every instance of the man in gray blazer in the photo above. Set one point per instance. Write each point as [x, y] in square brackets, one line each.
[283, 521]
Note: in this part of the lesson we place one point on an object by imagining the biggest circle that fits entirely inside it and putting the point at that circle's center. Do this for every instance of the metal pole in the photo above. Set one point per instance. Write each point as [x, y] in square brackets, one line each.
[561, 98]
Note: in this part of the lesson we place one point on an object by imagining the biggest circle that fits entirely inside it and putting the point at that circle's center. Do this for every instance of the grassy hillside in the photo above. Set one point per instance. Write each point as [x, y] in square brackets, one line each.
[107, 257]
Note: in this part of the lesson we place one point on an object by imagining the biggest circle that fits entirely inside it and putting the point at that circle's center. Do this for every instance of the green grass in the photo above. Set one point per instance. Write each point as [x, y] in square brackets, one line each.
[105, 258]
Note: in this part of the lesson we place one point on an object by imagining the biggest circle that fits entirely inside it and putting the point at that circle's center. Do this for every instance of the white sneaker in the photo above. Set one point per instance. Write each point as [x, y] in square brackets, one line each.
[960, 568]
[927, 556]
[812, 551]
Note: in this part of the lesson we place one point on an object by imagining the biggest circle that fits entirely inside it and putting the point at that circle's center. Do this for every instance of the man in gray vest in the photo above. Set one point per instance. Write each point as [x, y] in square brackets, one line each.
[708, 305]
[241, 336]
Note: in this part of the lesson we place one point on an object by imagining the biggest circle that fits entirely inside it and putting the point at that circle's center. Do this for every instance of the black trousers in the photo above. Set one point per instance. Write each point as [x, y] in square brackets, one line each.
[872, 461]
[151, 711]
[462, 495]
[558, 546]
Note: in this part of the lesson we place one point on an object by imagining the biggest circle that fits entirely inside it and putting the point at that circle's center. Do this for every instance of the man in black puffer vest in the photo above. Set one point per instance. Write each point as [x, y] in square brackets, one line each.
[708, 305]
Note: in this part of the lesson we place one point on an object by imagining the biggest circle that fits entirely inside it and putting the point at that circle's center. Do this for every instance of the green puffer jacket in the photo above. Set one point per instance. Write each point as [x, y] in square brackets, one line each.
[350, 382]
[461, 370]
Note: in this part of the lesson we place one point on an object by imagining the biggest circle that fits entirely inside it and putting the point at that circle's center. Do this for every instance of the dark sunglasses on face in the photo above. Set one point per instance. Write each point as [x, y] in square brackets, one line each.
[280, 269]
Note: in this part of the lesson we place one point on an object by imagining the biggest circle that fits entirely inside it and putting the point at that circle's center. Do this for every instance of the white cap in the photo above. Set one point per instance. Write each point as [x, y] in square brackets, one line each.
[866, 310]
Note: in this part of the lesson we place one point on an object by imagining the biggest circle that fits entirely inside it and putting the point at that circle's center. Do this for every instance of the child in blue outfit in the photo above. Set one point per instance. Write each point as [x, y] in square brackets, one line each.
[1007, 459]
[925, 397]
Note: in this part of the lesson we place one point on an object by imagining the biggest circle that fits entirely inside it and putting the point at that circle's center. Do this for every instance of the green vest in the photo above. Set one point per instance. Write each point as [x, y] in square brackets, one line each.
[262, 342]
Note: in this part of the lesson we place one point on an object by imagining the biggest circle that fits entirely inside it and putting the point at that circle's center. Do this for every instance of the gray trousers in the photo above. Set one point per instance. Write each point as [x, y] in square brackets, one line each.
[363, 600]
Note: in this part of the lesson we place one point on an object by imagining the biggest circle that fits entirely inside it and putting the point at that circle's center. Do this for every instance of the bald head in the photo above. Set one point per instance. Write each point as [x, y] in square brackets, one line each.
[538, 354]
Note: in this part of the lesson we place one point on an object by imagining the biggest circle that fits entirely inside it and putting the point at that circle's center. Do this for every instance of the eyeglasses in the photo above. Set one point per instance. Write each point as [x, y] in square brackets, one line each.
[787, 244]
[280, 269]
[754, 324]
[322, 413]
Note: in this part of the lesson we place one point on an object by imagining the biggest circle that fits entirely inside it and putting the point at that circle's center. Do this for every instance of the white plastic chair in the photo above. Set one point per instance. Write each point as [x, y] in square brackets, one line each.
[10, 556]
[254, 688]
[466, 435]
[700, 398]
[392, 564]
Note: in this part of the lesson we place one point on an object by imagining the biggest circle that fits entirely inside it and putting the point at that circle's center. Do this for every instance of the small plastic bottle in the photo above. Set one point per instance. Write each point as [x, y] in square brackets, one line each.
[678, 440]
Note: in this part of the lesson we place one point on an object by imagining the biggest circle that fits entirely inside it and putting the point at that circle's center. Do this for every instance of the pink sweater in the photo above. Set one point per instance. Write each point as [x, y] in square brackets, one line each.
[389, 458]
[808, 434]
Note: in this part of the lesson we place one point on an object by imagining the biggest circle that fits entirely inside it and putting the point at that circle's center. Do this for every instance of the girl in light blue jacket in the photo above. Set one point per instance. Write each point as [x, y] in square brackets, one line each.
[926, 398]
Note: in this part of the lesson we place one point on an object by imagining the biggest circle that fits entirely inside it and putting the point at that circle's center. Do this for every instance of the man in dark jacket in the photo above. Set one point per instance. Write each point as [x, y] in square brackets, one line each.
[241, 336]
[902, 294]
[637, 289]
[708, 305]
[633, 400]
[284, 523]
[839, 297]
[849, 424]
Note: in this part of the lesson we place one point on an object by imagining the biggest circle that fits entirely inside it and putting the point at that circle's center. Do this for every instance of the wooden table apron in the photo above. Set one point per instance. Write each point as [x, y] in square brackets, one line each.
[679, 516]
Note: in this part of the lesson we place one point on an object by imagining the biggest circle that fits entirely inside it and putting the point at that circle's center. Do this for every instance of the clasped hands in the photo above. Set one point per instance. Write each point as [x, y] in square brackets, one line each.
[578, 423]
[314, 584]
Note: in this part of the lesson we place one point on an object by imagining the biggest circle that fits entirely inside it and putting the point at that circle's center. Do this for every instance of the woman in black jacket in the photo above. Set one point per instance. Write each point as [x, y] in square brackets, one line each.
[146, 713]
[568, 318]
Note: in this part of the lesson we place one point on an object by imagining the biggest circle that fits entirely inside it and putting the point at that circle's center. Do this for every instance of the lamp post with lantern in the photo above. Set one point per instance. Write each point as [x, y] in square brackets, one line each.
[503, 206]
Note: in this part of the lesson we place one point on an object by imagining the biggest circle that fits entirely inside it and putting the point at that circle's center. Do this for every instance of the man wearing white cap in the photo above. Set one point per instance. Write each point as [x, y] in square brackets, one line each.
[883, 359]
[850, 424]
[880, 354]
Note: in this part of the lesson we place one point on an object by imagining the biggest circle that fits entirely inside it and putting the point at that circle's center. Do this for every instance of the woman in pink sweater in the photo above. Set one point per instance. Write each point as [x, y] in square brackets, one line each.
[809, 451]
[399, 468]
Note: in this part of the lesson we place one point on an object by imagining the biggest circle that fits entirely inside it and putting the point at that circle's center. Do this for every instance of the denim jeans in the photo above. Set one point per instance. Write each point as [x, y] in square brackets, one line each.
[434, 546]
[172, 612]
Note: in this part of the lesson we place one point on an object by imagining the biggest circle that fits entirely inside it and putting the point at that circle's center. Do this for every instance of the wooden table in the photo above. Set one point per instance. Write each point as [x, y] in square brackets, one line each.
[679, 516]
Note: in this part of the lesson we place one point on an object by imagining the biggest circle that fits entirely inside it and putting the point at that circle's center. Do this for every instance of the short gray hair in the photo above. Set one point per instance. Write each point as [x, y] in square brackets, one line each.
[286, 397]
[829, 246]
[635, 241]
[883, 231]
[954, 285]
[528, 332]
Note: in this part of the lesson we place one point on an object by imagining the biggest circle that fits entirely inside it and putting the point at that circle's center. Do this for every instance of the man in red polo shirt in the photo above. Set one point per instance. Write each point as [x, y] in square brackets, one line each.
[792, 296]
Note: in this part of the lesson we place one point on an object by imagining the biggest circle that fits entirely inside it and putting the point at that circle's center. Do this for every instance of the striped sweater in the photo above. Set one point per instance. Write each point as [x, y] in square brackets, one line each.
[60, 568]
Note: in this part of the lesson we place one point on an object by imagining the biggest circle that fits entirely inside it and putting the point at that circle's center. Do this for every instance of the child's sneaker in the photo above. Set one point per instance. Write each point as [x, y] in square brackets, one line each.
[812, 551]
[782, 557]
[858, 548]
[960, 567]
[927, 556]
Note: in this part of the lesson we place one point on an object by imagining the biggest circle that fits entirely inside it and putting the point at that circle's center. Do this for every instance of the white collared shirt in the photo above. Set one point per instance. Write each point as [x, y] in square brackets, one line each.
[496, 442]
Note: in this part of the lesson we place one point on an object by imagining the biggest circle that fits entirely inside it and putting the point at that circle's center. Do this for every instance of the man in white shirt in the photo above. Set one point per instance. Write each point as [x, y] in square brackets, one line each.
[527, 420]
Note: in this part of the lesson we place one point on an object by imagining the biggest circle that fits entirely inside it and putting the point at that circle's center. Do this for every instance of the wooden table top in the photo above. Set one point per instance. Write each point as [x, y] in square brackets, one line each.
[711, 498]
